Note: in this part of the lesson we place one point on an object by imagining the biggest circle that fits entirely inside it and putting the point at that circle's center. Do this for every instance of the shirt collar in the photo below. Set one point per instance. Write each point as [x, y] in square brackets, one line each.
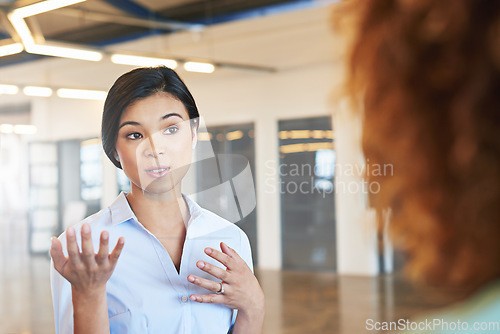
[120, 210]
[205, 222]
[195, 211]
[202, 221]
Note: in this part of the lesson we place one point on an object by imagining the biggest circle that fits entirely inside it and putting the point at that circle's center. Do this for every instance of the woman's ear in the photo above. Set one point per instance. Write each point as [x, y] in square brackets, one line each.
[195, 138]
[117, 158]
[194, 131]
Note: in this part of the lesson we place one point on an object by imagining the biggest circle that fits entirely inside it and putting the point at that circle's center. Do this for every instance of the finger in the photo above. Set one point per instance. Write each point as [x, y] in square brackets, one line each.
[102, 256]
[205, 283]
[211, 299]
[56, 252]
[87, 247]
[214, 271]
[231, 252]
[225, 259]
[115, 254]
[73, 251]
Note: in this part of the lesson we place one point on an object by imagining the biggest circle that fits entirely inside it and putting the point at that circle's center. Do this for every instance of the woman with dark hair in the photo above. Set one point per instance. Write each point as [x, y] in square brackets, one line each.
[428, 73]
[184, 269]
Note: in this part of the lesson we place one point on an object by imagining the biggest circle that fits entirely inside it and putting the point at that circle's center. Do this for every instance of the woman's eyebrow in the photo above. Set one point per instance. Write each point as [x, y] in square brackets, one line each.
[171, 115]
[129, 123]
[162, 118]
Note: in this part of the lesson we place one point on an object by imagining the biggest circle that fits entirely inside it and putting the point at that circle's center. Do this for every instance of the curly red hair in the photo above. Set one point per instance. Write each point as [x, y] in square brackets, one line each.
[429, 74]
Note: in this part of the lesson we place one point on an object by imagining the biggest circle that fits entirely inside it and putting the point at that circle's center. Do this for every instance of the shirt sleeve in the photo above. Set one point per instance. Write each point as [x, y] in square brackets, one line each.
[61, 300]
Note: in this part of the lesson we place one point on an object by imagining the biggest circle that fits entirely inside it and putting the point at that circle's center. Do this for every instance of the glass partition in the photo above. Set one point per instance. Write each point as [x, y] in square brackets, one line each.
[307, 192]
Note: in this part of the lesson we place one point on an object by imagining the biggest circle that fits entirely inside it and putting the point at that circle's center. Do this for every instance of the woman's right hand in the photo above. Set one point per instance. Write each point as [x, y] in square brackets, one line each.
[86, 271]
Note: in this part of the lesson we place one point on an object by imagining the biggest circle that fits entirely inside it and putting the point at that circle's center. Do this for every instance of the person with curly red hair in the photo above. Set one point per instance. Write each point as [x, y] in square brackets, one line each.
[428, 73]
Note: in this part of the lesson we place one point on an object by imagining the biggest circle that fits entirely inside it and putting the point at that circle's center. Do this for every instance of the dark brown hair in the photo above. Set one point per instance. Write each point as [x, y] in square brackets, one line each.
[429, 76]
[135, 85]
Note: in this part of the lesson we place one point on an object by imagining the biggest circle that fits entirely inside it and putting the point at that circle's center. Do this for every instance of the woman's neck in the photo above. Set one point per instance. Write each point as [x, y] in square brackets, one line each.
[165, 214]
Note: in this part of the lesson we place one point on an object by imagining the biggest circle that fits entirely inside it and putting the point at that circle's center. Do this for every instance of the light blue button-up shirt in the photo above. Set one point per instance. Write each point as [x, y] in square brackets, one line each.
[146, 294]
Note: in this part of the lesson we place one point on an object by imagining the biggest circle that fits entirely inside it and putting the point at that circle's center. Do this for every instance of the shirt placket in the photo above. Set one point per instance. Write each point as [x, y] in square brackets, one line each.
[178, 281]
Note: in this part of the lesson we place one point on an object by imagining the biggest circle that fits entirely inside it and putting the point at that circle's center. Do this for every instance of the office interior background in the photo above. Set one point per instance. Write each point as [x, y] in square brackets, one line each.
[271, 96]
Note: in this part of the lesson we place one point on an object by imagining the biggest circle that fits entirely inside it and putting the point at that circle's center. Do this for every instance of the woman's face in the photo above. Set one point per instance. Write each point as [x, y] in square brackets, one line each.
[155, 143]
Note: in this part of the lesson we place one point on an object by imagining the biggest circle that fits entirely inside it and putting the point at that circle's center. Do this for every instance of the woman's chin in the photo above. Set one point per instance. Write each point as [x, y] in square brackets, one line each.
[160, 190]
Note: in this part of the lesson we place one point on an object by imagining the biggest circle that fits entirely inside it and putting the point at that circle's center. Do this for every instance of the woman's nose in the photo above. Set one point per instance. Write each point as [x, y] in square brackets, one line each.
[155, 147]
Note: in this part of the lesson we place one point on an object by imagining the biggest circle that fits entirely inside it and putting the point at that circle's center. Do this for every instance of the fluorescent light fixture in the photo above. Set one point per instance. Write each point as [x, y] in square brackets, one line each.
[37, 91]
[193, 66]
[11, 49]
[24, 129]
[22, 29]
[17, 19]
[20, 129]
[43, 7]
[8, 89]
[6, 128]
[64, 52]
[142, 61]
[83, 94]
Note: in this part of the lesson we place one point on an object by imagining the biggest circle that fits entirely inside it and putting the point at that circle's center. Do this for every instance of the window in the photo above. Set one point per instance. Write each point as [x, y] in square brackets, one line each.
[91, 170]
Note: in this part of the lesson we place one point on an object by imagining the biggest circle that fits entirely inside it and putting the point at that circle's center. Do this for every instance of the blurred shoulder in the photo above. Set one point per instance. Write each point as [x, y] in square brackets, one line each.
[476, 314]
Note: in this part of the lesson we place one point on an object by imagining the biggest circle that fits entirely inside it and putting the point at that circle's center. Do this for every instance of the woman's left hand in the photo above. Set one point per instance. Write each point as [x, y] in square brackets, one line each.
[241, 290]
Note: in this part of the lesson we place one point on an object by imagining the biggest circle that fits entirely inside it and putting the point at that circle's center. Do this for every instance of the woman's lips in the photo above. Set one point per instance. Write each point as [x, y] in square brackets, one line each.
[158, 172]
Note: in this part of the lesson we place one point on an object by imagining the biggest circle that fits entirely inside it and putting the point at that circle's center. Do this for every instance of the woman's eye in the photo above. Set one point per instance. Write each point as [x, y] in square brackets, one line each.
[135, 135]
[171, 130]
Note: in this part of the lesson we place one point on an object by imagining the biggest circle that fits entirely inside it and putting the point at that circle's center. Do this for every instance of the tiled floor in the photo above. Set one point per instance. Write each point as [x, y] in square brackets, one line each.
[297, 302]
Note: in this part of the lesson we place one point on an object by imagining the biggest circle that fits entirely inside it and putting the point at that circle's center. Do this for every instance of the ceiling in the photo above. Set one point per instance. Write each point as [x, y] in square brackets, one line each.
[103, 23]
[299, 38]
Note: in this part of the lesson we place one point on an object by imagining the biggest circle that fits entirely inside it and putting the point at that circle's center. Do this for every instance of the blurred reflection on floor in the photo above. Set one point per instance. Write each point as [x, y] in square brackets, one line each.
[297, 302]
[300, 302]
[25, 299]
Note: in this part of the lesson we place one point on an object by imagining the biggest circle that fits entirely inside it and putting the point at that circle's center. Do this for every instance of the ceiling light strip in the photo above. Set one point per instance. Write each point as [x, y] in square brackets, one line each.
[83, 94]
[17, 19]
[142, 61]
[8, 89]
[11, 49]
[193, 66]
[22, 29]
[25, 129]
[6, 128]
[37, 91]
[21, 129]
[43, 7]
[65, 52]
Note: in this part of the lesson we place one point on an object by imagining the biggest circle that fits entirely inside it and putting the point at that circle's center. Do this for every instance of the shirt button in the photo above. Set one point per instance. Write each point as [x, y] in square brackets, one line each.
[184, 299]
